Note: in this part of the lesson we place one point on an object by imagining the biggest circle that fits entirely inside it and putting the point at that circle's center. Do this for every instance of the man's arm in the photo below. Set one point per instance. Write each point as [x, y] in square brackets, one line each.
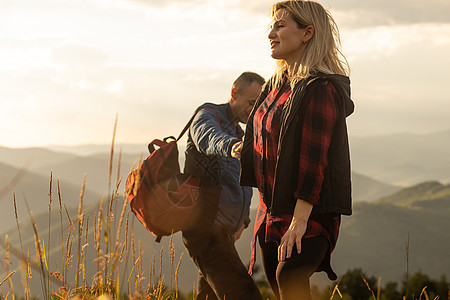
[208, 135]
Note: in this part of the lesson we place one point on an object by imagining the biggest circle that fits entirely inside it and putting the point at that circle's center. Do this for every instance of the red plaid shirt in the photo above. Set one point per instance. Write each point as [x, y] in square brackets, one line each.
[320, 117]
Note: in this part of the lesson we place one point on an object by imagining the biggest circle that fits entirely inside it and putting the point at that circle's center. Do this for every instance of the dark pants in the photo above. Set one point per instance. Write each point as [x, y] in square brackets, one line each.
[289, 279]
[222, 275]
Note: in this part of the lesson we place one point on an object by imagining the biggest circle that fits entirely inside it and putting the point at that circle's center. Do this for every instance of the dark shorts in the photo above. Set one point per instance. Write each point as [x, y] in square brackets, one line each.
[290, 279]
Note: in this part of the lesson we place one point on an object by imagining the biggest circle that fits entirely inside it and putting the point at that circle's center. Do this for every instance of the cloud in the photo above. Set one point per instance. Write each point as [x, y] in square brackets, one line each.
[382, 41]
[402, 90]
[352, 13]
[388, 12]
[77, 54]
[348, 13]
[181, 4]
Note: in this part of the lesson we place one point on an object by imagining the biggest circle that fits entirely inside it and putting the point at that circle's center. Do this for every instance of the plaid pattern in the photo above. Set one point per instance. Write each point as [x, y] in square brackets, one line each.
[319, 120]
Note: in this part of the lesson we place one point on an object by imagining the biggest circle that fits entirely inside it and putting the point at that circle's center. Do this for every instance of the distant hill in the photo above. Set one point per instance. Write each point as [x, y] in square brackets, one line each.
[423, 195]
[92, 149]
[35, 189]
[368, 189]
[96, 168]
[374, 237]
[71, 167]
[403, 159]
[33, 158]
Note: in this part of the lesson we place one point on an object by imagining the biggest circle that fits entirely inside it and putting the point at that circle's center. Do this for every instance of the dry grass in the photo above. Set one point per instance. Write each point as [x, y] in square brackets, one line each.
[113, 240]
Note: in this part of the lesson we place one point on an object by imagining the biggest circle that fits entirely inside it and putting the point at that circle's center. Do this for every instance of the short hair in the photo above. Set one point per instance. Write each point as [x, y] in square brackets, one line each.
[246, 79]
[323, 50]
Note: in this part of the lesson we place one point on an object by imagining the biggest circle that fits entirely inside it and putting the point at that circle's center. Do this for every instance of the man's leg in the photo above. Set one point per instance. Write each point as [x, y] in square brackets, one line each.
[215, 255]
[204, 289]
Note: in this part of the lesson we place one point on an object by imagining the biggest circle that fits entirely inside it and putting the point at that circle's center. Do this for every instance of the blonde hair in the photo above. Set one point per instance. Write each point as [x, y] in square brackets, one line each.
[322, 52]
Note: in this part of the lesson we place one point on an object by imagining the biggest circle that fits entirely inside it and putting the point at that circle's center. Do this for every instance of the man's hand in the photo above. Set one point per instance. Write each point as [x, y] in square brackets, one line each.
[238, 234]
[236, 150]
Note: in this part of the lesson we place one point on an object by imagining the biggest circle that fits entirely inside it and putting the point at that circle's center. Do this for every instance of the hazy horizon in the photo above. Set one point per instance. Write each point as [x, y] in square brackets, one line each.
[68, 67]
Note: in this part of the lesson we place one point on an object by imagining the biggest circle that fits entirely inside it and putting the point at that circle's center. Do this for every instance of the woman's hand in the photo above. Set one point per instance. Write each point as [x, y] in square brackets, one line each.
[236, 149]
[296, 230]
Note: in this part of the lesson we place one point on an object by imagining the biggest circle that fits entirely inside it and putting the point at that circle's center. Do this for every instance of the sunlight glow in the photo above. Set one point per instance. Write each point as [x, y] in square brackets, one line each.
[65, 63]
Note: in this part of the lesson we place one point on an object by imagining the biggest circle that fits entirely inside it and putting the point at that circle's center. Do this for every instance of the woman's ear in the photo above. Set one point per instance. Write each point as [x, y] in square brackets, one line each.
[309, 33]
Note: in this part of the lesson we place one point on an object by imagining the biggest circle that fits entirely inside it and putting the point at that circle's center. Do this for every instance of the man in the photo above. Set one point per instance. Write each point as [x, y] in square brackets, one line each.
[213, 150]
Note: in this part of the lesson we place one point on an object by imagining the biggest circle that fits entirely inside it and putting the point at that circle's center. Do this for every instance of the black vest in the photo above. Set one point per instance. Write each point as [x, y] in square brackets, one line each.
[335, 195]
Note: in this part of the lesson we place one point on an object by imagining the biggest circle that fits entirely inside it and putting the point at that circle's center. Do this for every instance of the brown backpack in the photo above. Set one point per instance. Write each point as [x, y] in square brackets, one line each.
[161, 197]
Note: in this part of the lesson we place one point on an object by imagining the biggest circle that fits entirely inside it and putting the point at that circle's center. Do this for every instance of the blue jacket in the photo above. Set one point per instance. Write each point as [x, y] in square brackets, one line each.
[213, 133]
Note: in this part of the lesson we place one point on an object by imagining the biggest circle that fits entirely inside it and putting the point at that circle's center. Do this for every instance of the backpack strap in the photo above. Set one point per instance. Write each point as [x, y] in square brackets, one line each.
[150, 146]
[192, 119]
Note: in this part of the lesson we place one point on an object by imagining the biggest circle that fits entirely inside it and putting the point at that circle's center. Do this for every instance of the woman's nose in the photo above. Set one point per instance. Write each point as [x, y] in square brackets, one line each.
[271, 34]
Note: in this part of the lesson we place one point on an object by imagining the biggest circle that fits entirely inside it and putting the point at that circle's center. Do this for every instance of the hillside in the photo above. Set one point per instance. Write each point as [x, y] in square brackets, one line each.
[368, 189]
[96, 168]
[33, 158]
[372, 239]
[70, 168]
[34, 188]
[427, 194]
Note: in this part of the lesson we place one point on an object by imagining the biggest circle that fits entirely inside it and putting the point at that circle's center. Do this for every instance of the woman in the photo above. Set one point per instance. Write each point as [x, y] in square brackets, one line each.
[296, 149]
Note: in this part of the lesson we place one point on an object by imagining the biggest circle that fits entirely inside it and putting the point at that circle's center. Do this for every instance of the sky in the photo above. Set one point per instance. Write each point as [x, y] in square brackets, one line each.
[69, 67]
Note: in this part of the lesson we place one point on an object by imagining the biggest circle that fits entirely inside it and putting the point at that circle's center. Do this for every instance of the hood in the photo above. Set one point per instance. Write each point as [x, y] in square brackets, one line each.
[342, 84]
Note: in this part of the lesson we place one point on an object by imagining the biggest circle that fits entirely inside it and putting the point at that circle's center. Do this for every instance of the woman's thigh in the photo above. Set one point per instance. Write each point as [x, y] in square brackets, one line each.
[292, 275]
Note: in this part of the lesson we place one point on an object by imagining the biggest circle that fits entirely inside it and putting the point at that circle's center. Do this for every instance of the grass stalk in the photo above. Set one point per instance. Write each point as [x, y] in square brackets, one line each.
[379, 288]
[140, 274]
[368, 287]
[407, 266]
[134, 258]
[108, 227]
[176, 276]
[97, 240]
[67, 256]
[61, 227]
[172, 257]
[125, 249]
[160, 263]
[80, 229]
[39, 256]
[50, 195]
[5, 266]
[424, 292]
[27, 292]
[7, 277]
